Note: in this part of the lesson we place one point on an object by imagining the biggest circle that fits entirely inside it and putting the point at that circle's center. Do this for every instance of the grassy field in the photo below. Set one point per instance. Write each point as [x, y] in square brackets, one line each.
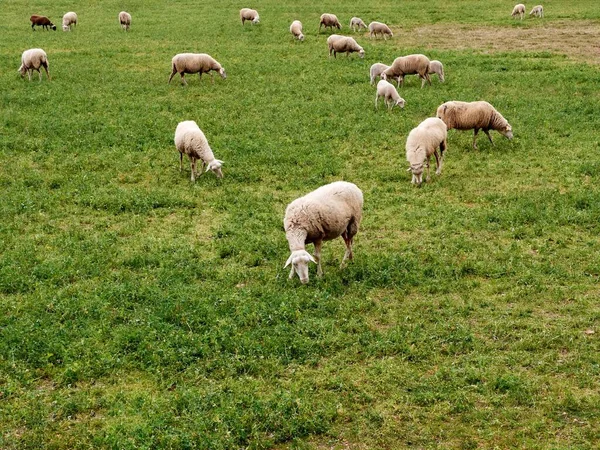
[143, 311]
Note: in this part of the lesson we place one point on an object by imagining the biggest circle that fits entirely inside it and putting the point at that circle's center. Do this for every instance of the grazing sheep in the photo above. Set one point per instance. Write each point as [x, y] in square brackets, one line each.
[408, 65]
[69, 19]
[340, 44]
[329, 20]
[390, 95]
[376, 70]
[356, 23]
[518, 10]
[33, 59]
[322, 215]
[381, 28]
[422, 142]
[296, 30]
[437, 68]
[199, 63]
[41, 21]
[249, 14]
[476, 115]
[190, 139]
[125, 20]
[537, 11]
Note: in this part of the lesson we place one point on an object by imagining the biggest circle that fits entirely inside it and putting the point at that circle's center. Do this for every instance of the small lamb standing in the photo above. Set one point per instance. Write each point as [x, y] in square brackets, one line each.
[69, 19]
[199, 63]
[390, 95]
[474, 115]
[436, 67]
[329, 20]
[537, 11]
[125, 20]
[381, 28]
[190, 139]
[409, 65]
[343, 44]
[41, 21]
[356, 23]
[296, 30]
[33, 59]
[250, 15]
[518, 10]
[422, 142]
[376, 70]
[322, 215]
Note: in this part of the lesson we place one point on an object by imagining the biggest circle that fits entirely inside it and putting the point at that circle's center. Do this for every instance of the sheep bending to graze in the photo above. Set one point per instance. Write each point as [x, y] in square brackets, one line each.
[381, 28]
[376, 70]
[343, 44]
[356, 23]
[69, 19]
[437, 68]
[422, 142]
[249, 14]
[518, 10]
[33, 59]
[329, 20]
[41, 21]
[296, 30]
[537, 11]
[125, 20]
[190, 139]
[408, 65]
[476, 115]
[390, 95]
[199, 63]
[322, 215]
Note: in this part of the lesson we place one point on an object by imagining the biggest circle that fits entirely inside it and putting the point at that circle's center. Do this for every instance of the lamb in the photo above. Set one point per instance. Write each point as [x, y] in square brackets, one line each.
[409, 65]
[33, 59]
[249, 14]
[41, 21]
[69, 19]
[125, 20]
[477, 115]
[199, 63]
[518, 10]
[340, 44]
[376, 70]
[329, 20]
[356, 23]
[437, 68]
[296, 30]
[421, 143]
[190, 139]
[381, 28]
[391, 97]
[322, 215]
[537, 11]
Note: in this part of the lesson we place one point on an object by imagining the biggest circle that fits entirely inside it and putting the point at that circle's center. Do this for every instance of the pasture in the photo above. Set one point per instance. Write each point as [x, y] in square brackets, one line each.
[140, 310]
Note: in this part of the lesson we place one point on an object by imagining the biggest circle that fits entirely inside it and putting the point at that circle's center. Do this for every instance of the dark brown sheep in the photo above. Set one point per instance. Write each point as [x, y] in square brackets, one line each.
[41, 21]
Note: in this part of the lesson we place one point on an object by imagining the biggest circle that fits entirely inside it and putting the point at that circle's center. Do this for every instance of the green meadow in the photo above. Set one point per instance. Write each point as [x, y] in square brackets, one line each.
[140, 310]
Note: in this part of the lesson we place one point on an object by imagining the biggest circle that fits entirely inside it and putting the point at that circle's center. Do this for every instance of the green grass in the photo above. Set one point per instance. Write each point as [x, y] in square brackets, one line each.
[141, 311]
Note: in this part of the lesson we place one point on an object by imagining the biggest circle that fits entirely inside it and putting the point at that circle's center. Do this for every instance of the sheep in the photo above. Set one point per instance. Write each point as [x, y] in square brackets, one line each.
[125, 20]
[537, 11]
[69, 19]
[340, 44]
[199, 63]
[390, 95]
[41, 21]
[376, 70]
[322, 215]
[421, 143]
[437, 68]
[356, 23]
[408, 65]
[476, 115]
[249, 14]
[296, 30]
[381, 28]
[518, 10]
[190, 139]
[33, 59]
[329, 20]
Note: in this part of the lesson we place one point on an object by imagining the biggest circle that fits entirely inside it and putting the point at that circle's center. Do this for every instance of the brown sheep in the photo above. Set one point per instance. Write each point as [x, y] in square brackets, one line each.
[41, 21]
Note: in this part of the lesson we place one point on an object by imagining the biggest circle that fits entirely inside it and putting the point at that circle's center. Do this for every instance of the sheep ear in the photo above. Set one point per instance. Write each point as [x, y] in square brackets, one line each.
[310, 257]
[409, 169]
[287, 263]
[207, 168]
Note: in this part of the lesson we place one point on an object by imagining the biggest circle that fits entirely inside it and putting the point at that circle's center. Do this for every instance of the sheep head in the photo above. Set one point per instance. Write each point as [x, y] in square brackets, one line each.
[361, 52]
[22, 70]
[301, 37]
[400, 102]
[215, 165]
[66, 28]
[299, 260]
[256, 19]
[417, 173]
[507, 132]
[222, 73]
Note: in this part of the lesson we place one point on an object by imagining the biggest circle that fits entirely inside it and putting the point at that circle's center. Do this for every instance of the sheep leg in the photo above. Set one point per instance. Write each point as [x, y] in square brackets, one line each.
[438, 162]
[29, 73]
[172, 75]
[39, 73]
[183, 78]
[318, 245]
[376, 98]
[45, 66]
[443, 148]
[489, 136]
[193, 164]
[291, 273]
[212, 78]
[180, 161]
[475, 137]
[427, 166]
[348, 236]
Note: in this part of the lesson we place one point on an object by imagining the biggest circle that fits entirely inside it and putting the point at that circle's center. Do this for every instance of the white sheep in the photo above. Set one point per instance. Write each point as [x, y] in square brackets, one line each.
[381, 28]
[343, 44]
[474, 115]
[537, 11]
[329, 20]
[408, 65]
[69, 19]
[436, 67]
[125, 20]
[33, 59]
[376, 70]
[296, 30]
[422, 142]
[322, 215]
[190, 139]
[356, 23]
[518, 10]
[390, 95]
[249, 14]
[199, 63]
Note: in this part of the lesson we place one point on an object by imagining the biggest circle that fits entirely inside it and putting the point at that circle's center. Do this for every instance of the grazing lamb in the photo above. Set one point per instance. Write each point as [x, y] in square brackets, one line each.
[537, 11]
[33, 59]
[356, 23]
[381, 28]
[422, 142]
[69, 19]
[249, 14]
[125, 20]
[190, 139]
[376, 70]
[390, 95]
[329, 20]
[437, 68]
[41, 21]
[322, 215]
[408, 65]
[476, 115]
[518, 10]
[296, 30]
[199, 63]
[340, 44]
